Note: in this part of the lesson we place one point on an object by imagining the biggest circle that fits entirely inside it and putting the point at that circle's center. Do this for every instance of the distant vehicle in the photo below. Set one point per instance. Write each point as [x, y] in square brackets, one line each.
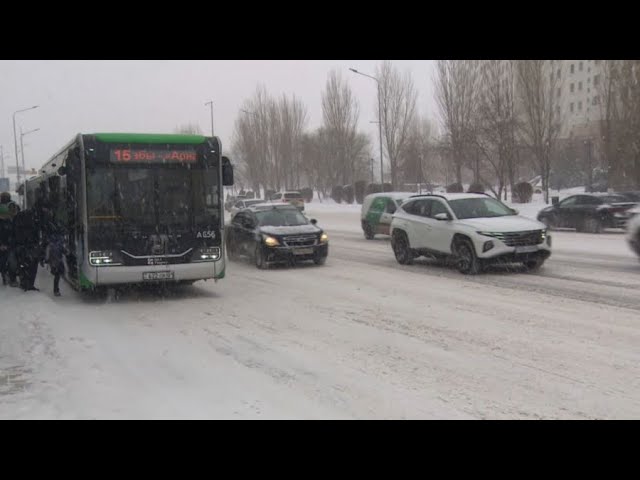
[633, 230]
[471, 229]
[377, 210]
[632, 196]
[295, 198]
[231, 201]
[242, 204]
[588, 212]
[276, 233]
[137, 208]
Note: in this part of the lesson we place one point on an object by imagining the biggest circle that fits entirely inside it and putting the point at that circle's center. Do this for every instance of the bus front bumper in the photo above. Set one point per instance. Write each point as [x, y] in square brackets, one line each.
[156, 273]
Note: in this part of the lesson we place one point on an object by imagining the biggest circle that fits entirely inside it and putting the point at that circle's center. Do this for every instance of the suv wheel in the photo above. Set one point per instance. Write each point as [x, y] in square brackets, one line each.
[467, 260]
[368, 232]
[549, 222]
[534, 265]
[401, 248]
[261, 262]
[592, 225]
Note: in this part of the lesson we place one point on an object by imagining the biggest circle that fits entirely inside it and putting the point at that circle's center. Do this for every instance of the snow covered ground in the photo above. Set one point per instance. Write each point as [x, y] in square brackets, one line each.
[361, 337]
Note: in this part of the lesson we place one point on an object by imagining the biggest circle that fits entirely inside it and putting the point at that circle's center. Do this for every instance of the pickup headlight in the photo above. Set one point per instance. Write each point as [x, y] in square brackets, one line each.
[104, 258]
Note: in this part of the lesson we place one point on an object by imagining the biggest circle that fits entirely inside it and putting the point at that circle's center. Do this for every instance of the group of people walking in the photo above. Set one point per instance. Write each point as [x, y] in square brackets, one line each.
[27, 238]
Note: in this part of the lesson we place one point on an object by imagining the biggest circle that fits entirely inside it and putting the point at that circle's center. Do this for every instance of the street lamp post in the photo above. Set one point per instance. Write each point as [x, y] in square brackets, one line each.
[210, 103]
[22, 135]
[15, 139]
[379, 123]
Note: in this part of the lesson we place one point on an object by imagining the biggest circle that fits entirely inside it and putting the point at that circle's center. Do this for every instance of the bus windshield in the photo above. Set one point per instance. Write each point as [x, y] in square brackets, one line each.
[150, 196]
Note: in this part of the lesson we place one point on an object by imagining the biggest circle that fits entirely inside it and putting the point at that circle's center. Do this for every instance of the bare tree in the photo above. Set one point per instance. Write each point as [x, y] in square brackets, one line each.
[495, 124]
[340, 111]
[268, 140]
[398, 98]
[619, 99]
[417, 157]
[189, 129]
[537, 84]
[455, 87]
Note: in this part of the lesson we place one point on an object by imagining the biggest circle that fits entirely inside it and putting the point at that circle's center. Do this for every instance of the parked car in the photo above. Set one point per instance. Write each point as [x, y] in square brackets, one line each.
[633, 230]
[631, 196]
[377, 211]
[588, 212]
[242, 204]
[232, 200]
[275, 233]
[293, 197]
[471, 229]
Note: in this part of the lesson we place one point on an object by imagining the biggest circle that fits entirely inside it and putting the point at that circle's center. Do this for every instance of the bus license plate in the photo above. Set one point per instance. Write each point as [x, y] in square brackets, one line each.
[529, 249]
[303, 251]
[157, 276]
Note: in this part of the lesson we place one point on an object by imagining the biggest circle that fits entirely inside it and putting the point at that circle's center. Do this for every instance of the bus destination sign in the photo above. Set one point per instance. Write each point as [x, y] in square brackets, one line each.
[134, 155]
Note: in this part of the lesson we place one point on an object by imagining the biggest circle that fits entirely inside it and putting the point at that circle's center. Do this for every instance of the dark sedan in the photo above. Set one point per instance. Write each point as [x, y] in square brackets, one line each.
[275, 233]
[588, 212]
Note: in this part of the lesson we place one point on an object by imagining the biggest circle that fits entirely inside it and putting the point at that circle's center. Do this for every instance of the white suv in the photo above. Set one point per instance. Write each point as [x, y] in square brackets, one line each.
[633, 230]
[472, 229]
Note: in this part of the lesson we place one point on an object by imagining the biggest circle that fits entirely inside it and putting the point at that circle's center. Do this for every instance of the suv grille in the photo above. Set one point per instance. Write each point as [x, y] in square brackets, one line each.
[300, 241]
[520, 239]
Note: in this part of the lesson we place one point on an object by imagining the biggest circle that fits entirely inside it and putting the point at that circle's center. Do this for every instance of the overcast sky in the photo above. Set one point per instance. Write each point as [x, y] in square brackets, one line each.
[157, 96]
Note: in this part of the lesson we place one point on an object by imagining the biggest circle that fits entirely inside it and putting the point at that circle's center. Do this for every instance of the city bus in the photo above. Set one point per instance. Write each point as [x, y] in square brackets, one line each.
[137, 208]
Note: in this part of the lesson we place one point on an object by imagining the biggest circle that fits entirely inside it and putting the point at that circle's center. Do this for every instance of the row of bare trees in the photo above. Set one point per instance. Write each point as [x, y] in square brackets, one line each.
[275, 151]
[491, 111]
[620, 124]
[268, 139]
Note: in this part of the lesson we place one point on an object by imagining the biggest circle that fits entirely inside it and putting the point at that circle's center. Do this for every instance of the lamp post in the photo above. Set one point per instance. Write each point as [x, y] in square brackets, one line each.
[24, 169]
[379, 123]
[210, 103]
[15, 139]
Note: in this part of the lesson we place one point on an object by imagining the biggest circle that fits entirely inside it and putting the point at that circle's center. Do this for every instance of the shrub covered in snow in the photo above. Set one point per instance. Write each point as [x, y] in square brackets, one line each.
[455, 188]
[307, 194]
[522, 192]
[359, 191]
[337, 193]
[476, 188]
[347, 194]
[373, 188]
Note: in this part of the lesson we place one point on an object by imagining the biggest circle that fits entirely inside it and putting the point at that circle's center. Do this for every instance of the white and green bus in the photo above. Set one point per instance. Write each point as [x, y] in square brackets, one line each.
[137, 208]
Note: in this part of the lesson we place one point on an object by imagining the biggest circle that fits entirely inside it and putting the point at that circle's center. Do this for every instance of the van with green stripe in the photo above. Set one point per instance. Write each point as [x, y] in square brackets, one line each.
[377, 212]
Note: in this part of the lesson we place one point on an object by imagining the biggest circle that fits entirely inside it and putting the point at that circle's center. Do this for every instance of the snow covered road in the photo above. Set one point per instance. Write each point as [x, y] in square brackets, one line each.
[361, 337]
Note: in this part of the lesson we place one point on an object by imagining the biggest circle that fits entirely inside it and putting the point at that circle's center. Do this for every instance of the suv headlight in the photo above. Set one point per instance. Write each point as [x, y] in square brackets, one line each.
[270, 241]
[105, 258]
[489, 234]
[324, 238]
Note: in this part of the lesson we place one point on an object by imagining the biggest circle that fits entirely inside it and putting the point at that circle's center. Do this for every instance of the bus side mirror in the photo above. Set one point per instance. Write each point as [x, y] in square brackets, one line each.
[227, 172]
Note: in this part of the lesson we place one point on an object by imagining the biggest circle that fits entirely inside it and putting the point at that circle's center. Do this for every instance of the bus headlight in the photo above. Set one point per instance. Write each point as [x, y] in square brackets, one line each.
[208, 254]
[104, 258]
